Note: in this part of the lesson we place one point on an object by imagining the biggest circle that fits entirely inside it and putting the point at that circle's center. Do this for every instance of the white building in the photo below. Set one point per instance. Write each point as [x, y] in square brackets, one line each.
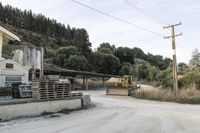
[12, 72]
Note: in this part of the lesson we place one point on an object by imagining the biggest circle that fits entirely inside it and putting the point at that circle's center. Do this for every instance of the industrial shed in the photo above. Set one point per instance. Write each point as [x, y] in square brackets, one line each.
[12, 72]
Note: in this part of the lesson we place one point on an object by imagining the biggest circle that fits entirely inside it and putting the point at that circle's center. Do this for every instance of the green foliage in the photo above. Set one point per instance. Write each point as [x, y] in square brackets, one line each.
[190, 74]
[124, 54]
[70, 48]
[34, 22]
[138, 53]
[158, 61]
[42, 31]
[152, 73]
[191, 78]
[126, 69]
[140, 69]
[195, 60]
[105, 50]
[63, 53]
[81, 41]
[165, 77]
[106, 63]
[49, 53]
[7, 50]
[77, 62]
[181, 67]
[107, 45]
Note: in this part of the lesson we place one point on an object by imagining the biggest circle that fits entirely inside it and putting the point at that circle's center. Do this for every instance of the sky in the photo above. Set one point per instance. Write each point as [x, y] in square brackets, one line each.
[149, 14]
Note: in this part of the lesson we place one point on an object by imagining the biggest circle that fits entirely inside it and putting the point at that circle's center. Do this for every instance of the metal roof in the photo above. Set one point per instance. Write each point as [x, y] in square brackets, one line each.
[68, 72]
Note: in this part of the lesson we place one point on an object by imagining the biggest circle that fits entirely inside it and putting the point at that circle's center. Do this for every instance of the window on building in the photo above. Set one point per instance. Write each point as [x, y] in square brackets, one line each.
[9, 80]
[9, 65]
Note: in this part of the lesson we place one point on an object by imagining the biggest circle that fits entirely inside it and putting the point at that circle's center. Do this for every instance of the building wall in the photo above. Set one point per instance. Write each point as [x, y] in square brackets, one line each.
[17, 70]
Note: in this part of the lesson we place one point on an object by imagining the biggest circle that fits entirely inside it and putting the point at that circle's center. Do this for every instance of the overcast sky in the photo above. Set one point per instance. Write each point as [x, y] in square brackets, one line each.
[150, 14]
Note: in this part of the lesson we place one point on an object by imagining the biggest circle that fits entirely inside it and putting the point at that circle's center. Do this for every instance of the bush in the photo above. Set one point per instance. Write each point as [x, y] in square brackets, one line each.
[191, 78]
[164, 78]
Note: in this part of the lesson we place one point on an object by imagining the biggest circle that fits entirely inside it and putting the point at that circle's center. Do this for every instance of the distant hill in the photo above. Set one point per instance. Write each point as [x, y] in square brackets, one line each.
[41, 31]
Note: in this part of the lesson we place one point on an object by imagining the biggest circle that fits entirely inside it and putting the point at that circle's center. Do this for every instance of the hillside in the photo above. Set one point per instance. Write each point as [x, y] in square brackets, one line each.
[70, 48]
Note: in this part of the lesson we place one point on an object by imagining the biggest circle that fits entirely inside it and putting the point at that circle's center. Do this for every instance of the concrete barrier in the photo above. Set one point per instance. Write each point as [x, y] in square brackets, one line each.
[29, 109]
[86, 100]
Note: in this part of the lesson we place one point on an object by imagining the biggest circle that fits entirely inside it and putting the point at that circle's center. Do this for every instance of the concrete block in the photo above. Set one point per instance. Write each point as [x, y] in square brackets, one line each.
[11, 111]
[86, 100]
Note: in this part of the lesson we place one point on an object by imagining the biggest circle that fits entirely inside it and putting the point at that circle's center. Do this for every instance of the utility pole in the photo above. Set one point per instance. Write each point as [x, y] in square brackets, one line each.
[175, 76]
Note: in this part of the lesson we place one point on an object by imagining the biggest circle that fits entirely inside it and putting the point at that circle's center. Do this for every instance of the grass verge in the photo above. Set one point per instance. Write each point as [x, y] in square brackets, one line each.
[186, 96]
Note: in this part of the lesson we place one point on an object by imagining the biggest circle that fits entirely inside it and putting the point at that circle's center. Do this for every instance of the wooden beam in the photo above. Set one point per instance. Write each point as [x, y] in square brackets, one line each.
[1, 44]
[83, 82]
[103, 81]
[9, 35]
[86, 83]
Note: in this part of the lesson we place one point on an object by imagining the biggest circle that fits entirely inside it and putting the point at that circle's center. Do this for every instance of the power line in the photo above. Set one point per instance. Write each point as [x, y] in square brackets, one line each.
[117, 18]
[152, 16]
[163, 7]
[173, 16]
[144, 11]
[121, 20]
[156, 18]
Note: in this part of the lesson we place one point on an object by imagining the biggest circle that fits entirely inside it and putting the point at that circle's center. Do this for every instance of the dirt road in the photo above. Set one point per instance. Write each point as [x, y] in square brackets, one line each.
[115, 115]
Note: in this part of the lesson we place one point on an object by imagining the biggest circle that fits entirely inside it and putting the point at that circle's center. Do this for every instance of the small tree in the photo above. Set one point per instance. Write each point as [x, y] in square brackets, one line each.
[181, 68]
[140, 69]
[165, 77]
[195, 60]
[152, 72]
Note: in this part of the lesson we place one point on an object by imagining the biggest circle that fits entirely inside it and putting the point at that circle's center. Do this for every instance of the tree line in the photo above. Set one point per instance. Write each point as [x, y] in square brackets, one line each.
[70, 48]
[119, 61]
[33, 22]
[46, 27]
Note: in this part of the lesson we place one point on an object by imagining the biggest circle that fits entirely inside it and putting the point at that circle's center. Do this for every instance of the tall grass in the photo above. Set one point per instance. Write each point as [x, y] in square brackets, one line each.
[189, 96]
[92, 84]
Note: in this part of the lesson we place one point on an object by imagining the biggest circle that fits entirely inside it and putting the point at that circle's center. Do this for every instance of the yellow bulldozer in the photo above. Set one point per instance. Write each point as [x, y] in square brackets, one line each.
[125, 86]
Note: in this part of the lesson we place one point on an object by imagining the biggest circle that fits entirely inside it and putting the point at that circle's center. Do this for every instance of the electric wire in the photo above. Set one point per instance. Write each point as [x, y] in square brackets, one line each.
[121, 20]
[155, 18]
[152, 16]
[117, 18]
[173, 16]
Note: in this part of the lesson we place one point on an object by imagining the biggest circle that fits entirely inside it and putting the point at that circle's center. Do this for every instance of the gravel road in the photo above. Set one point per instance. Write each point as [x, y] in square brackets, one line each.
[115, 114]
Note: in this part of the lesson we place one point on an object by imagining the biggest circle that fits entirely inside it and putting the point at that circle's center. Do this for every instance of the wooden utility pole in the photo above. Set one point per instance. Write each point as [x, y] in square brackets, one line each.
[175, 76]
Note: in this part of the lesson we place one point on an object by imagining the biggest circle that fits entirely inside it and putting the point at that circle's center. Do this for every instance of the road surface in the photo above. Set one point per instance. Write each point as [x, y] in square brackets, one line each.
[115, 114]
